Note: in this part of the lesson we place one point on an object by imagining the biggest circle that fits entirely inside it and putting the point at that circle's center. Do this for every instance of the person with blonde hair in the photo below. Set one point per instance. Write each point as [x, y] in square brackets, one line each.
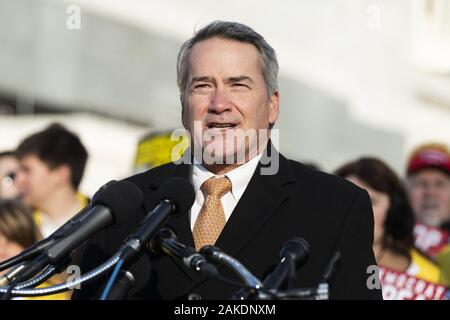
[18, 231]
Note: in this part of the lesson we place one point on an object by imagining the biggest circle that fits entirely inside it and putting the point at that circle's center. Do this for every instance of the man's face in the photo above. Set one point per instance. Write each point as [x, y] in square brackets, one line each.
[226, 95]
[37, 181]
[9, 166]
[429, 193]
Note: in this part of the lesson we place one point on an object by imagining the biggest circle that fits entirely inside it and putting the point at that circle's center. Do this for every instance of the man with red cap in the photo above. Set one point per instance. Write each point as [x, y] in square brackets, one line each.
[429, 185]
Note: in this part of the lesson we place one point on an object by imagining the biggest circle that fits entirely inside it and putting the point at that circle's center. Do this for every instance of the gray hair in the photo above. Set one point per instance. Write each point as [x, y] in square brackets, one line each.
[233, 31]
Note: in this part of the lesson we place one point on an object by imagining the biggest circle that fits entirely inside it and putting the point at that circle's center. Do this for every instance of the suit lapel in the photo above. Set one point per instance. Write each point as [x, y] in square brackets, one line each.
[263, 195]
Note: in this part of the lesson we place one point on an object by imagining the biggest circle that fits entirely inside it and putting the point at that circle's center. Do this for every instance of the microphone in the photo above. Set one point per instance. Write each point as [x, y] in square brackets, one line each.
[293, 255]
[69, 226]
[6, 278]
[165, 242]
[122, 286]
[177, 196]
[332, 268]
[110, 207]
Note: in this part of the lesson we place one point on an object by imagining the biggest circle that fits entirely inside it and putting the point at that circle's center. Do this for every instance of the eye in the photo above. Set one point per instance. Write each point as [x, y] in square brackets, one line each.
[202, 88]
[440, 184]
[202, 85]
[239, 87]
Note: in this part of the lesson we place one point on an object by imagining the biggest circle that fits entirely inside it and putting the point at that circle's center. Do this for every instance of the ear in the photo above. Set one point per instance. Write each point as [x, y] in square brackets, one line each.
[183, 112]
[63, 174]
[184, 119]
[274, 107]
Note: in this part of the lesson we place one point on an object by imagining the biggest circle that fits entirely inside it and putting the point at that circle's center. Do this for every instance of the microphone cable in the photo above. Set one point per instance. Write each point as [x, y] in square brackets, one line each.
[111, 280]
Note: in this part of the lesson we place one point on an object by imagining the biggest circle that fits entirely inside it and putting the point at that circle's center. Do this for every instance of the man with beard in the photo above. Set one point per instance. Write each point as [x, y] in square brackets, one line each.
[428, 182]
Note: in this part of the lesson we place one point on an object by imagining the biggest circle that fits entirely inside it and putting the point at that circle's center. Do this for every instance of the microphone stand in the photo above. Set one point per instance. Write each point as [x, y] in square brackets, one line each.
[321, 292]
[214, 254]
[90, 276]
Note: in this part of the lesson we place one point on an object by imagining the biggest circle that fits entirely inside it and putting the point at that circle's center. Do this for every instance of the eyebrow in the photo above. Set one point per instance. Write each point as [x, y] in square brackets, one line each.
[202, 78]
[238, 79]
[227, 80]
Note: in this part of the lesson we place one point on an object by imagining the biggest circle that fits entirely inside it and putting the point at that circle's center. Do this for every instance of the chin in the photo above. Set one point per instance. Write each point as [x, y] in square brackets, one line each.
[222, 153]
[432, 220]
[30, 201]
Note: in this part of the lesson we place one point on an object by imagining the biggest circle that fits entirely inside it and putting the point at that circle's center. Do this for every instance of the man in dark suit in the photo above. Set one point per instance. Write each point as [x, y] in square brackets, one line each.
[250, 199]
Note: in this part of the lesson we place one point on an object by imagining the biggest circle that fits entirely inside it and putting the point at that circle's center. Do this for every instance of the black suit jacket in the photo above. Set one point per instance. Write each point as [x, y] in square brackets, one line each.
[329, 212]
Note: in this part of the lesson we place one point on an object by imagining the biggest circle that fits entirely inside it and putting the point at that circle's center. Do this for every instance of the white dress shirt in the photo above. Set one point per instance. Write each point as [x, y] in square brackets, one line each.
[239, 177]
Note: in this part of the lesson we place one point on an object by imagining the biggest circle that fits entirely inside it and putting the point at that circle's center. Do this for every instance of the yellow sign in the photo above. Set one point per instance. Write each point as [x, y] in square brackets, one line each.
[159, 148]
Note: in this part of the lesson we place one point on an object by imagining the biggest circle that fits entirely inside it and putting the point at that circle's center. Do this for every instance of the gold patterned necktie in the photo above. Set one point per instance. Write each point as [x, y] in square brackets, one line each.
[211, 218]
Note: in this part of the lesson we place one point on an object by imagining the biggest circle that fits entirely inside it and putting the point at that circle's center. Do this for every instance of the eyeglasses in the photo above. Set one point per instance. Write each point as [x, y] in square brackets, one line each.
[9, 179]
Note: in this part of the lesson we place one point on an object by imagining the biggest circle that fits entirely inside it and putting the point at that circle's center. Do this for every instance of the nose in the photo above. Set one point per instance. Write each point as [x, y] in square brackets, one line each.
[220, 102]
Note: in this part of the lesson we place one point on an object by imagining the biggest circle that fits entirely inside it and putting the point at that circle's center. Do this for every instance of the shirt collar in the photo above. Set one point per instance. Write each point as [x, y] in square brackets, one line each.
[239, 177]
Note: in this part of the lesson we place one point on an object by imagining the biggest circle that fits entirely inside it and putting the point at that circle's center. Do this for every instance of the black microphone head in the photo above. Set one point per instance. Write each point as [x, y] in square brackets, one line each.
[101, 189]
[209, 270]
[180, 192]
[296, 249]
[123, 198]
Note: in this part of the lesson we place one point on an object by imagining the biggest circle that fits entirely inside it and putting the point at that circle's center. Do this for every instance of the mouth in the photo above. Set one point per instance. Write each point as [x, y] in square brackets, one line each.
[430, 207]
[221, 125]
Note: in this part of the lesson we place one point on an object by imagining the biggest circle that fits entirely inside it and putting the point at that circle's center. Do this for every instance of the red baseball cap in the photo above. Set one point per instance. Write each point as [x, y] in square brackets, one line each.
[433, 155]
